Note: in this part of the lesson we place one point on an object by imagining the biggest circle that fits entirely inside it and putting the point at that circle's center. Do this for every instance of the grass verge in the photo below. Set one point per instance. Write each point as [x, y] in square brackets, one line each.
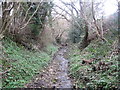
[84, 75]
[21, 64]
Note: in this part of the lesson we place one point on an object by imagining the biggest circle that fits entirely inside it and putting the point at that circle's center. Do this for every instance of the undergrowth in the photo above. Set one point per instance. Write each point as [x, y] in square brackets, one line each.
[51, 49]
[84, 74]
[22, 64]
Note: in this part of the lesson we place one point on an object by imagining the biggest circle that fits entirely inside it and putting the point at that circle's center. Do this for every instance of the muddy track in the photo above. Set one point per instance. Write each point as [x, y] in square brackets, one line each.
[55, 75]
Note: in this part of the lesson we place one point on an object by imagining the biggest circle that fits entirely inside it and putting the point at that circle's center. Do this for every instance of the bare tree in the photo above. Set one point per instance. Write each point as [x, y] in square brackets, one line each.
[99, 29]
[6, 9]
[87, 13]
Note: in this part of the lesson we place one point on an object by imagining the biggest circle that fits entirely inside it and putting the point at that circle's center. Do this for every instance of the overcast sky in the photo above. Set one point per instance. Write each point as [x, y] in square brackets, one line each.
[110, 6]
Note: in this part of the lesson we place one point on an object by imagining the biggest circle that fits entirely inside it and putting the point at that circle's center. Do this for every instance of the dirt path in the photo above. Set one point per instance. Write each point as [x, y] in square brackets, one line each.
[55, 75]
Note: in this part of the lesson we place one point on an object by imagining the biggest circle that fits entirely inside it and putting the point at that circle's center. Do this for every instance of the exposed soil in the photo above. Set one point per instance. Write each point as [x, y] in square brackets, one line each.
[55, 75]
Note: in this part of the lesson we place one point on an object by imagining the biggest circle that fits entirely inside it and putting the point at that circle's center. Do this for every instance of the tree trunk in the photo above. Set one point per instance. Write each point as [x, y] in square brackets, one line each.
[5, 16]
[86, 41]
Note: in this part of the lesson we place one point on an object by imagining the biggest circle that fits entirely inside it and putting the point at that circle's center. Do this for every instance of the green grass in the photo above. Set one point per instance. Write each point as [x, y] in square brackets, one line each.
[23, 64]
[84, 75]
[51, 49]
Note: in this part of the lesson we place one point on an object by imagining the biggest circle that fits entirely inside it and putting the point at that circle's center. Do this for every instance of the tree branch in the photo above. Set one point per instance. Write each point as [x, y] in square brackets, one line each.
[95, 22]
[31, 17]
[26, 14]
[62, 15]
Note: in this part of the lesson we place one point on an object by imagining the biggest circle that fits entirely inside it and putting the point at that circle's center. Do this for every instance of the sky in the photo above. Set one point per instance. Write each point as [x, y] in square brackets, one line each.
[110, 6]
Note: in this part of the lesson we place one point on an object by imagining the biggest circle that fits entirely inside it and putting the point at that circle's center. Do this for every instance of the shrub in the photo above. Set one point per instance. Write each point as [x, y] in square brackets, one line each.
[75, 35]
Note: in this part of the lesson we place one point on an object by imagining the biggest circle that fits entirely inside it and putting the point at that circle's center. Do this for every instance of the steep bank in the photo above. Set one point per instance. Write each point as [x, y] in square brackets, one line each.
[21, 64]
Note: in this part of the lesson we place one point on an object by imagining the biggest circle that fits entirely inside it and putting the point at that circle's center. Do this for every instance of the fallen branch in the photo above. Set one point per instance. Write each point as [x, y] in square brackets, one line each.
[1, 73]
[88, 61]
